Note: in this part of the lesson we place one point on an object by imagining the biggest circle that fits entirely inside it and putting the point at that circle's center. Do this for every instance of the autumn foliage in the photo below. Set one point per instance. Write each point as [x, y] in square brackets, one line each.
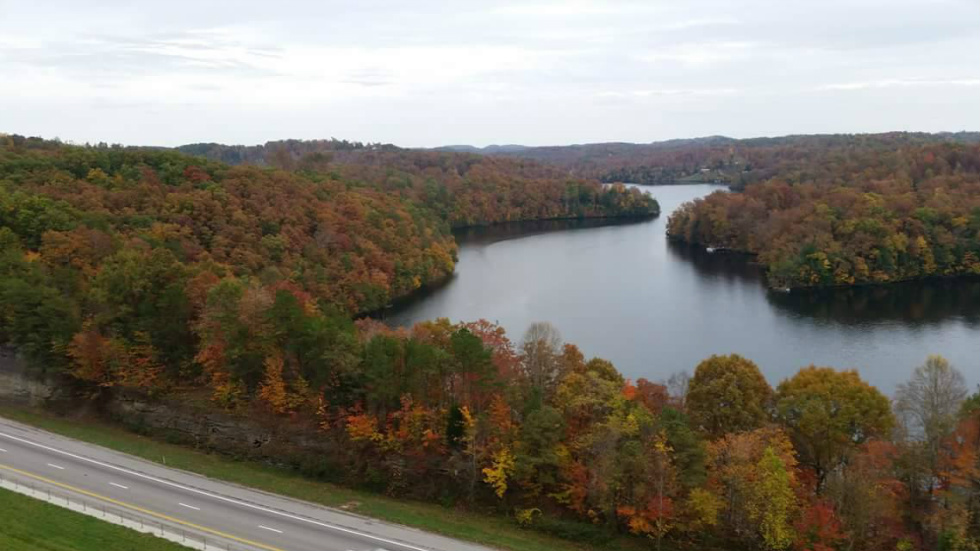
[466, 189]
[160, 273]
[868, 216]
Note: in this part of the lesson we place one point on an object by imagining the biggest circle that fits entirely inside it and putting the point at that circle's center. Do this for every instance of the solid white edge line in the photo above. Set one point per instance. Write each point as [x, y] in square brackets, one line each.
[119, 486]
[56, 466]
[270, 529]
[188, 506]
[215, 496]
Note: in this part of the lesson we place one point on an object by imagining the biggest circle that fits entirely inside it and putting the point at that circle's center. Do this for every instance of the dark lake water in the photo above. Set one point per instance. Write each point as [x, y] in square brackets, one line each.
[623, 293]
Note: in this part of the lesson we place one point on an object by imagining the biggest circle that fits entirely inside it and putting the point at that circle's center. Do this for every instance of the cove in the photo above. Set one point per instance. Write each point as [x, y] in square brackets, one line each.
[622, 292]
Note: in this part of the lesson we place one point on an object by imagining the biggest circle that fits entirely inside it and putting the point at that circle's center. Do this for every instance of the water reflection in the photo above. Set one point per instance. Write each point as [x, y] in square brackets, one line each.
[911, 303]
[485, 235]
[719, 265]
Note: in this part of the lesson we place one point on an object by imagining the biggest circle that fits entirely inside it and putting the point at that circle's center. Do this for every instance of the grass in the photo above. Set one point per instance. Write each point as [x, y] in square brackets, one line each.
[493, 531]
[28, 524]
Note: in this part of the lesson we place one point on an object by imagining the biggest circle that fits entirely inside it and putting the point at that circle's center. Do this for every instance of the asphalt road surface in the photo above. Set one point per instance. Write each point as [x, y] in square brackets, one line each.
[245, 518]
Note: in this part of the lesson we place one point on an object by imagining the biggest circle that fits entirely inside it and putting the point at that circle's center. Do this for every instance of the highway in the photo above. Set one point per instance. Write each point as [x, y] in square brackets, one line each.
[248, 519]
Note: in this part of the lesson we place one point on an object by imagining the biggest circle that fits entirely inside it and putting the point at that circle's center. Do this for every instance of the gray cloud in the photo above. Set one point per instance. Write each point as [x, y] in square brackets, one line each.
[430, 72]
[101, 57]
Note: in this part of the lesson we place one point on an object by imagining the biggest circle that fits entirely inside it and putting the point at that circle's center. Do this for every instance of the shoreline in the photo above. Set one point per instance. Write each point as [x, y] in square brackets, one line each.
[750, 257]
[432, 286]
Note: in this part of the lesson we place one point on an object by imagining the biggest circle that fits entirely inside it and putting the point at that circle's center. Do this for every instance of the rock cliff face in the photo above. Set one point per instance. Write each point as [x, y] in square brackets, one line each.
[19, 386]
[274, 441]
[188, 424]
[271, 440]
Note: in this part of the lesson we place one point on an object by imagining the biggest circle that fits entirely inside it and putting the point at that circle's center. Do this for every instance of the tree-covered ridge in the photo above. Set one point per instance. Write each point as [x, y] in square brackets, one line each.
[271, 153]
[350, 246]
[725, 160]
[861, 217]
[466, 189]
[471, 190]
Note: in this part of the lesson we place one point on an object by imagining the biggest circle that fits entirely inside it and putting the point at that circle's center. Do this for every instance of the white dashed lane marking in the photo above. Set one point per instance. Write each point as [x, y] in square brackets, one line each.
[188, 506]
[270, 529]
[56, 466]
[119, 486]
[216, 497]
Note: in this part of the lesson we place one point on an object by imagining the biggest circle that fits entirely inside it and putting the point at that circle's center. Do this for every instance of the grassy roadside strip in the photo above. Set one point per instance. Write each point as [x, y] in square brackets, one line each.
[484, 529]
[28, 524]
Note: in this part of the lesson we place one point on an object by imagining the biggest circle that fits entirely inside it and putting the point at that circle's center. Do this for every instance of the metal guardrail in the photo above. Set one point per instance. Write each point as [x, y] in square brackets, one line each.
[119, 515]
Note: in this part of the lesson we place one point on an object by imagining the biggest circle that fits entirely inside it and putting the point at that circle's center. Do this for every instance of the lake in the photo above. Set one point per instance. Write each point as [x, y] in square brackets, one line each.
[624, 293]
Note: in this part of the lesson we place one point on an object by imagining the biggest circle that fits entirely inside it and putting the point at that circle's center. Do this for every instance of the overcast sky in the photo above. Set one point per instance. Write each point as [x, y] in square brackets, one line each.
[426, 73]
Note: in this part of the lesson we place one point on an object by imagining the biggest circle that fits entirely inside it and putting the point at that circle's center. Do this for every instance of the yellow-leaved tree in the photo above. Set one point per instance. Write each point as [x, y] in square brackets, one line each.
[772, 502]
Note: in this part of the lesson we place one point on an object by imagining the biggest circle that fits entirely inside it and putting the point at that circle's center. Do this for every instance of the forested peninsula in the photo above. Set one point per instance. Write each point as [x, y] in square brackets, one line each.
[464, 188]
[850, 213]
[354, 236]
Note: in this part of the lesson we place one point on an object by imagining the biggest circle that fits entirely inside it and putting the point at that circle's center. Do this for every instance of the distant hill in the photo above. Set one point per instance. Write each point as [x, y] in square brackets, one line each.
[716, 159]
[488, 150]
[264, 154]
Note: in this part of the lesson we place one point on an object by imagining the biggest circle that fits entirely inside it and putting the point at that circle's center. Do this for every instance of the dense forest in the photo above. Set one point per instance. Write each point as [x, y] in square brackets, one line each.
[718, 159]
[159, 272]
[845, 216]
[466, 189]
[119, 251]
[714, 159]
[276, 152]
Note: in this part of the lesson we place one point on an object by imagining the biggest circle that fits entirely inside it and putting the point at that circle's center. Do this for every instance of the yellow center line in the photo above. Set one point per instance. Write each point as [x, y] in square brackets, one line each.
[140, 509]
